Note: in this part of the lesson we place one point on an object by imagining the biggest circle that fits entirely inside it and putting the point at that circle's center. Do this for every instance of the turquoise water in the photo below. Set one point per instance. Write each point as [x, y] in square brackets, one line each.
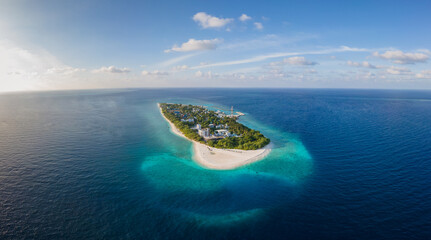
[225, 196]
[347, 164]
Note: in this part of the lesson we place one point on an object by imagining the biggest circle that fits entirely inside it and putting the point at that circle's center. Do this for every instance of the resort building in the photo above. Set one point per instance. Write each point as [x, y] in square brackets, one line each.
[204, 132]
[190, 120]
[222, 132]
[222, 126]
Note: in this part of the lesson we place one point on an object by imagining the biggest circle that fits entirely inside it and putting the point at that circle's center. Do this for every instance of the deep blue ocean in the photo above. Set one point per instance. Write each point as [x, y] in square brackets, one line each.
[347, 164]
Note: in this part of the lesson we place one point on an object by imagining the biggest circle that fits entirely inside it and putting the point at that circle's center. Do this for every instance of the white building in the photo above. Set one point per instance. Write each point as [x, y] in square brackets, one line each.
[222, 132]
[204, 132]
[222, 126]
[198, 126]
[190, 120]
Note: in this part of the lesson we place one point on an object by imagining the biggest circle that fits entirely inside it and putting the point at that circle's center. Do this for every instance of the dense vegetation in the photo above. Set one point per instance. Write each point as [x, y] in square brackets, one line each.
[245, 138]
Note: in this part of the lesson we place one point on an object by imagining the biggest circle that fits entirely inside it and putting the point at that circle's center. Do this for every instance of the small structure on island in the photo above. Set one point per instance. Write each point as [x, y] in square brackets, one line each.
[190, 120]
[221, 126]
[198, 126]
[222, 132]
[204, 132]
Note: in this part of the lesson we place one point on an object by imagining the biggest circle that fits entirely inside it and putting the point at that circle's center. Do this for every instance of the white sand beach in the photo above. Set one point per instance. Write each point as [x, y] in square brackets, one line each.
[222, 159]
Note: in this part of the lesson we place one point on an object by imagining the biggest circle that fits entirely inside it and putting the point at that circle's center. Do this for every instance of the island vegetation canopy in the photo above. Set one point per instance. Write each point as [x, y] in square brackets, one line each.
[216, 129]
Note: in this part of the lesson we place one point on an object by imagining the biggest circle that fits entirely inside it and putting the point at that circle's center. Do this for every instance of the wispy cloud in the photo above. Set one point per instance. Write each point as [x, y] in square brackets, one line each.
[298, 61]
[180, 68]
[111, 69]
[267, 41]
[364, 64]
[24, 68]
[398, 70]
[401, 57]
[154, 73]
[195, 45]
[176, 60]
[258, 25]
[426, 74]
[207, 21]
[244, 17]
[209, 74]
[282, 54]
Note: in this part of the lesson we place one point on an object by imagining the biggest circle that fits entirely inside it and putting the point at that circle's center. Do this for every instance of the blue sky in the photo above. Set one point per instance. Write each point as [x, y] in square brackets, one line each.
[48, 45]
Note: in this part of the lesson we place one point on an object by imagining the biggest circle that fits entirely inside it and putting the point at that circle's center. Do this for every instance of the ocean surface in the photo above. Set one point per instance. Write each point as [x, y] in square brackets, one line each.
[347, 164]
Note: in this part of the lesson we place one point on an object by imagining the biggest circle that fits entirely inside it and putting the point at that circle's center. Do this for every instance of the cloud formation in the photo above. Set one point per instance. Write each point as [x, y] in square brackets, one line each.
[207, 21]
[281, 54]
[244, 18]
[180, 68]
[258, 25]
[176, 60]
[196, 45]
[364, 64]
[424, 74]
[23, 68]
[209, 74]
[154, 73]
[298, 61]
[401, 57]
[112, 69]
[398, 70]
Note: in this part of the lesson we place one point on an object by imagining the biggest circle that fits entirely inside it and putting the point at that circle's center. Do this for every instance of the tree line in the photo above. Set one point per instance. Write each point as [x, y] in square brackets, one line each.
[246, 139]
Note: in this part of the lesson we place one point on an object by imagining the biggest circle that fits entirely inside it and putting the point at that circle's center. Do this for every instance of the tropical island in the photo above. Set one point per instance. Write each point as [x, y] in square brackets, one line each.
[220, 141]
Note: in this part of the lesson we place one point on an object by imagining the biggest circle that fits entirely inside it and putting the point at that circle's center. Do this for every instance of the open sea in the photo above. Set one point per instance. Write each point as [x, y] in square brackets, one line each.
[102, 164]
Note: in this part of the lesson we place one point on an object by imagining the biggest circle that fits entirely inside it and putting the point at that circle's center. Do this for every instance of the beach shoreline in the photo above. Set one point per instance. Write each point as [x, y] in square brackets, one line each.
[221, 159]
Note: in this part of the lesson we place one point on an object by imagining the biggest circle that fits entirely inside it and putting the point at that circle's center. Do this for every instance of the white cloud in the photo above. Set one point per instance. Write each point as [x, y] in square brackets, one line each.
[267, 41]
[111, 69]
[209, 74]
[65, 70]
[277, 73]
[207, 21]
[298, 61]
[154, 73]
[176, 60]
[362, 64]
[180, 68]
[423, 50]
[282, 54]
[401, 57]
[244, 18]
[258, 25]
[398, 70]
[198, 74]
[196, 45]
[24, 68]
[424, 74]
